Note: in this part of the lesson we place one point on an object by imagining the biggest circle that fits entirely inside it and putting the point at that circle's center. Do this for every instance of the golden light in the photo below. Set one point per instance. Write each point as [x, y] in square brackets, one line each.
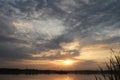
[68, 62]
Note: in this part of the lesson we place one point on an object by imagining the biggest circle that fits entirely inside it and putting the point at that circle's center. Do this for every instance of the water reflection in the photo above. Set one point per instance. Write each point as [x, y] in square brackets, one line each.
[47, 77]
[64, 78]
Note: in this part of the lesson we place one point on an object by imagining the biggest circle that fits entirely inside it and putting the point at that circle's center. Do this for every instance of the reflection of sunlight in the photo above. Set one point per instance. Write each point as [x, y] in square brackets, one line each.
[68, 78]
[64, 78]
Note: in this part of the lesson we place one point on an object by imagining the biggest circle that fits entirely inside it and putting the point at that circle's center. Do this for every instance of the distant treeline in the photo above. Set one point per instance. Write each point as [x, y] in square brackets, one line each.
[35, 71]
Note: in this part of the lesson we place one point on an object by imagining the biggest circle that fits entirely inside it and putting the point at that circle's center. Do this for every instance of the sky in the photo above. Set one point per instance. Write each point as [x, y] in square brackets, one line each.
[43, 34]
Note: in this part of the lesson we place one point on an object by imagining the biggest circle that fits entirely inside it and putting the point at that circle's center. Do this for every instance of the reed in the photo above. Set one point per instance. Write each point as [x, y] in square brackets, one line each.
[113, 68]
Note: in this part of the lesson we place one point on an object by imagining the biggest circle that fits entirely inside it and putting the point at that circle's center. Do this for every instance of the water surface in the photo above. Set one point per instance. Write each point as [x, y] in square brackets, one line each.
[47, 77]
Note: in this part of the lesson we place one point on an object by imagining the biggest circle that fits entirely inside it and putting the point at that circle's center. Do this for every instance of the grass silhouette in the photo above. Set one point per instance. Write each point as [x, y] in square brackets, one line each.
[113, 66]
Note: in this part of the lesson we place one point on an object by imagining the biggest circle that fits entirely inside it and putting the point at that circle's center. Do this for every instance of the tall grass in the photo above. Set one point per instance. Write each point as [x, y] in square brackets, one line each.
[113, 68]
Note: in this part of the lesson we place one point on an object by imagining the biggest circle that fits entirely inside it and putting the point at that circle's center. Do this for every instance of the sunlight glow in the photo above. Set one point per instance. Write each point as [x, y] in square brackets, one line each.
[68, 62]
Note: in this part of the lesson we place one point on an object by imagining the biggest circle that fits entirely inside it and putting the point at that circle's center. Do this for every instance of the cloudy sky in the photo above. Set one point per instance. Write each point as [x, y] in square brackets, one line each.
[43, 34]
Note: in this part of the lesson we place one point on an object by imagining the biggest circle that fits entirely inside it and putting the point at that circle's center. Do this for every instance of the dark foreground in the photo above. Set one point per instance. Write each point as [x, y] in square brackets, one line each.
[35, 71]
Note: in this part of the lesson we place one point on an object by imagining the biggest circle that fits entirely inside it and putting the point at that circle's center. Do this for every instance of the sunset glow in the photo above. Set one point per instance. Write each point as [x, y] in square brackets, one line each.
[68, 62]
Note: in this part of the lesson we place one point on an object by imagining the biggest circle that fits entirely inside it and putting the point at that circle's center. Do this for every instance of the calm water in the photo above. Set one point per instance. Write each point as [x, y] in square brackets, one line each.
[47, 77]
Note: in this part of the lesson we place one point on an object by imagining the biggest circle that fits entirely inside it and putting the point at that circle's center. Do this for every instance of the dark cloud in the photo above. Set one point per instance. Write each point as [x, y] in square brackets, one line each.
[10, 39]
[5, 26]
[10, 52]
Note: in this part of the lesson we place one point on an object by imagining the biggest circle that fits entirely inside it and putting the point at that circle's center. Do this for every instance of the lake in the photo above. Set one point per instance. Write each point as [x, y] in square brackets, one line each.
[48, 77]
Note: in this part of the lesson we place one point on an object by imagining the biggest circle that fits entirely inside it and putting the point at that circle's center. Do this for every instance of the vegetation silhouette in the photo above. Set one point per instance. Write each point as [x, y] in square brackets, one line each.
[35, 71]
[113, 66]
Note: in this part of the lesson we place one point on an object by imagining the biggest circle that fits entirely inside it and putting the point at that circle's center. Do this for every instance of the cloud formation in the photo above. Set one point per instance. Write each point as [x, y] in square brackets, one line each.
[56, 29]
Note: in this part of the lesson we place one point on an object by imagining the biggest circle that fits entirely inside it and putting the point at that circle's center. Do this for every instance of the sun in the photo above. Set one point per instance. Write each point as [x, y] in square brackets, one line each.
[68, 62]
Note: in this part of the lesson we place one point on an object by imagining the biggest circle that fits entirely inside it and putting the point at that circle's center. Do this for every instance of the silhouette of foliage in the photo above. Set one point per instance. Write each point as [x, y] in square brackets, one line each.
[113, 65]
